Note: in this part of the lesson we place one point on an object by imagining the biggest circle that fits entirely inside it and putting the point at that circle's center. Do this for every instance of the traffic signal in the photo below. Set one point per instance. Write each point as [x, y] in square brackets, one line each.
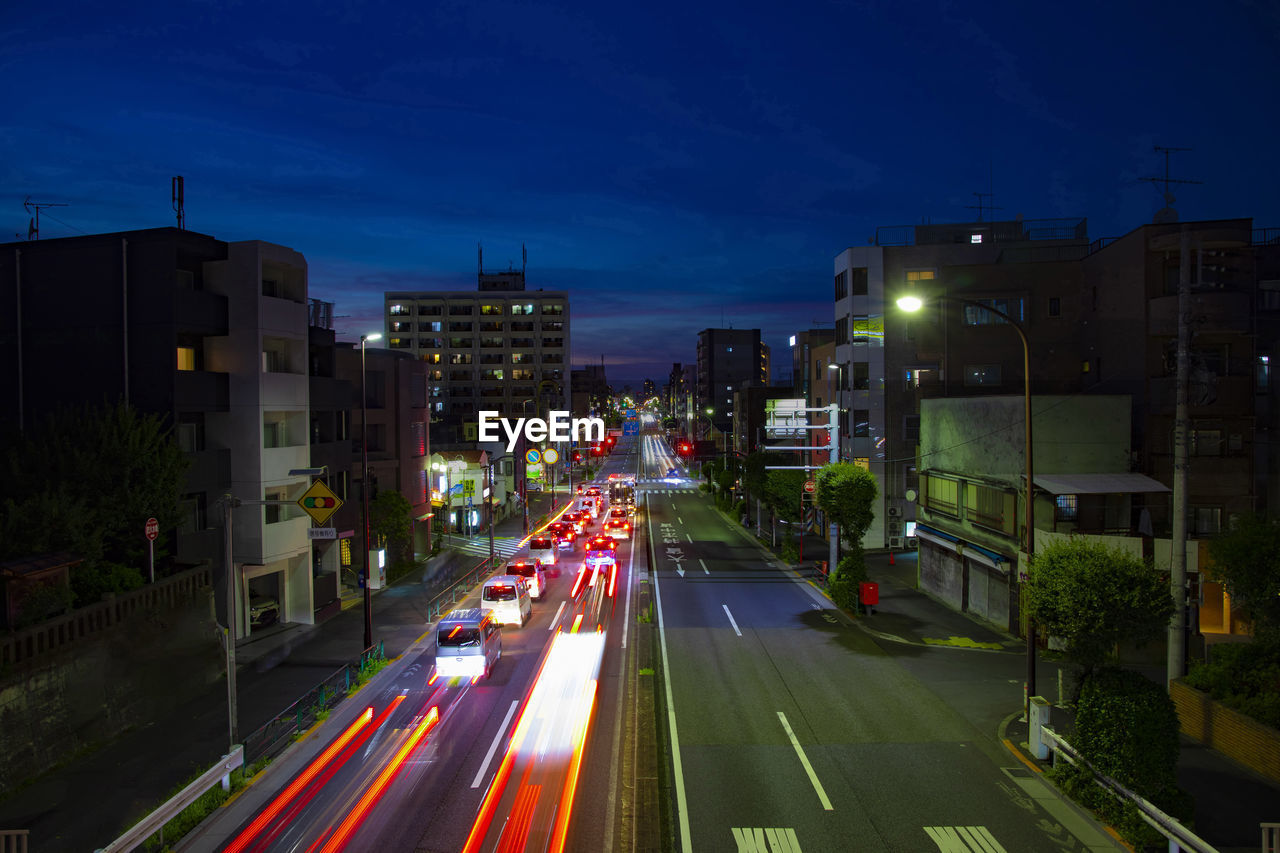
[319, 503]
[684, 448]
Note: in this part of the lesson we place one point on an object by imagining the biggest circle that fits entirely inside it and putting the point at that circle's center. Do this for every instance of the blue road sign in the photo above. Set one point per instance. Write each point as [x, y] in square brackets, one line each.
[631, 413]
[533, 457]
[631, 428]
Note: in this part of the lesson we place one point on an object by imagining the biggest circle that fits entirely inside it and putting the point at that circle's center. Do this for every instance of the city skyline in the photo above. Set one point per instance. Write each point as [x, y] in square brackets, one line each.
[674, 172]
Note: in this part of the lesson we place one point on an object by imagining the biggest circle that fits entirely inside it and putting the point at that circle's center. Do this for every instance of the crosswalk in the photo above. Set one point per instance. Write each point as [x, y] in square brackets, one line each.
[670, 491]
[504, 547]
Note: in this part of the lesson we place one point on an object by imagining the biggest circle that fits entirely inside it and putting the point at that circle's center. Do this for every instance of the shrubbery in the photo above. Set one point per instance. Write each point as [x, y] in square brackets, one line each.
[1127, 728]
[843, 583]
[1243, 676]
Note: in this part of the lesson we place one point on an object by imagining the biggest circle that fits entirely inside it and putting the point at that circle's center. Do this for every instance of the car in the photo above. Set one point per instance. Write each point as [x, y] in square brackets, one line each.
[593, 491]
[507, 597]
[468, 644]
[672, 473]
[602, 552]
[618, 528]
[563, 533]
[543, 550]
[535, 577]
[263, 611]
[577, 519]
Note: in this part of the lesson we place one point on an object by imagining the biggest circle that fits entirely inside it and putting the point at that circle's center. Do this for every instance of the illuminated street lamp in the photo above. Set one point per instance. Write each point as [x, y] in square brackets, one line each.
[364, 486]
[914, 303]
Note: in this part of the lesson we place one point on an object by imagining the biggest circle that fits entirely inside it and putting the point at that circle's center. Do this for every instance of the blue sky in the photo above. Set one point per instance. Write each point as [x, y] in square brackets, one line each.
[674, 166]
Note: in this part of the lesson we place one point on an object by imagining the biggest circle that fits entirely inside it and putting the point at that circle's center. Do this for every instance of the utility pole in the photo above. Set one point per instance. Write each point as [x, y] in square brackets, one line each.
[1177, 653]
[229, 634]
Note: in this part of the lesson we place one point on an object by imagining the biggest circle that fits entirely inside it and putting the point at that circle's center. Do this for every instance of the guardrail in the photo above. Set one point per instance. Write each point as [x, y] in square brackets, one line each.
[1180, 838]
[272, 737]
[457, 590]
[154, 822]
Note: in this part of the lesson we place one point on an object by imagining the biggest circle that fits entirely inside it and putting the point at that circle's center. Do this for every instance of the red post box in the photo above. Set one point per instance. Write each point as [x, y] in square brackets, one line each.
[869, 592]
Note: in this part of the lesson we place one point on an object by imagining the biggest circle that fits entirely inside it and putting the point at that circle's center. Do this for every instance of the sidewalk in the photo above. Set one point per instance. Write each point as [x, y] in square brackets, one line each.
[136, 772]
[1230, 800]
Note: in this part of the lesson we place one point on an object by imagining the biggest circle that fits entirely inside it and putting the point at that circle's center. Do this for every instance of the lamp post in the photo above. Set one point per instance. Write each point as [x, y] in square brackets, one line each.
[914, 303]
[833, 551]
[364, 486]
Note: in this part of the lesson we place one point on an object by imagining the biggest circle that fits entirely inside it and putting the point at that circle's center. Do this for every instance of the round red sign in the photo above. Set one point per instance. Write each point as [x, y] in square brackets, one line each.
[152, 529]
[810, 486]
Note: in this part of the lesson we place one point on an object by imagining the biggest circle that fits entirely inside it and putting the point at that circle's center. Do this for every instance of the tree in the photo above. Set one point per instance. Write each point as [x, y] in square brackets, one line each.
[846, 494]
[1247, 559]
[391, 523]
[85, 479]
[1093, 597]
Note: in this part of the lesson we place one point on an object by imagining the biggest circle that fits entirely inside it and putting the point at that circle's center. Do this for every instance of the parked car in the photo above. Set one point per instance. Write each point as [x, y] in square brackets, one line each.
[263, 611]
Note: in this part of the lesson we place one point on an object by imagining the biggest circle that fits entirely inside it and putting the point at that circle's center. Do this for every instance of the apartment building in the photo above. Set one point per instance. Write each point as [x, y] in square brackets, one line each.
[726, 359]
[501, 347]
[210, 334]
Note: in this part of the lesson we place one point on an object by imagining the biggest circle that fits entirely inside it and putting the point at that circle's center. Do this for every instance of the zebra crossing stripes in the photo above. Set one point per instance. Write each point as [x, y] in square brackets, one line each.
[653, 491]
[503, 546]
[964, 839]
[758, 839]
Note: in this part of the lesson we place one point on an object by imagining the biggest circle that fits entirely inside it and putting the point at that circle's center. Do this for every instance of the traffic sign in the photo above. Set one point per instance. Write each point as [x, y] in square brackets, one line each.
[319, 502]
[810, 486]
[551, 457]
[631, 428]
[533, 457]
[322, 533]
[469, 488]
[631, 413]
[152, 529]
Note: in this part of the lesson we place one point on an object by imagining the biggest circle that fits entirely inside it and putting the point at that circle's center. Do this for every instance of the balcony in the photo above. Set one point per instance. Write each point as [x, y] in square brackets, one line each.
[201, 391]
[1212, 311]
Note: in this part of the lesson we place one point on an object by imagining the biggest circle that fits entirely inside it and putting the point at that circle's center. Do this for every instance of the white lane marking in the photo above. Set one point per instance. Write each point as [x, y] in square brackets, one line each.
[731, 622]
[679, 519]
[626, 613]
[704, 566]
[493, 747]
[758, 839]
[556, 619]
[964, 839]
[808, 768]
[690, 538]
[682, 804]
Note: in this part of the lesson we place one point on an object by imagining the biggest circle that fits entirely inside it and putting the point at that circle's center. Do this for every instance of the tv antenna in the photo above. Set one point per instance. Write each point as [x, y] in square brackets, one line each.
[178, 203]
[990, 193]
[1168, 214]
[33, 225]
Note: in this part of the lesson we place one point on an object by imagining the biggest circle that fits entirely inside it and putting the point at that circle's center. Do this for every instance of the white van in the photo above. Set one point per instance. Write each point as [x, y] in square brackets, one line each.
[543, 550]
[507, 597]
[468, 644]
[535, 576]
[591, 503]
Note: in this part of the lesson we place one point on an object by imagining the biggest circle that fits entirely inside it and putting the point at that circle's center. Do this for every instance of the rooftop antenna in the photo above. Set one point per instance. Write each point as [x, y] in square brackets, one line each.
[1167, 213]
[33, 225]
[178, 203]
[990, 193]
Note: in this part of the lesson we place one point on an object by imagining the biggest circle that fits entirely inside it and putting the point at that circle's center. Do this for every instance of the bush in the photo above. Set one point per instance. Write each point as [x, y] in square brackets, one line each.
[1243, 676]
[1127, 728]
[842, 592]
[790, 551]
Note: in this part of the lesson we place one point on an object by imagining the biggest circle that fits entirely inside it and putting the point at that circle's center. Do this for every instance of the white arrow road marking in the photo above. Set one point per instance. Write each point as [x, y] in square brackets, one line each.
[488, 756]
[964, 839]
[679, 570]
[731, 622]
[808, 768]
[756, 839]
[704, 566]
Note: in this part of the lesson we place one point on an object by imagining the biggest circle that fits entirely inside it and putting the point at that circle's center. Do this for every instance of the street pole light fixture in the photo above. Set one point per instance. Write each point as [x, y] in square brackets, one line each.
[914, 303]
[364, 486]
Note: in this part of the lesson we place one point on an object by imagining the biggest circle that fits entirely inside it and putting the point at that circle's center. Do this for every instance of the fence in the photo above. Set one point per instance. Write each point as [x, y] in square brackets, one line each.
[457, 590]
[275, 735]
[1180, 838]
[88, 622]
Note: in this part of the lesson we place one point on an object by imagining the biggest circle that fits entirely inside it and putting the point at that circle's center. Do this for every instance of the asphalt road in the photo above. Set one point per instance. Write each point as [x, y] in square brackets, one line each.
[414, 777]
[793, 729]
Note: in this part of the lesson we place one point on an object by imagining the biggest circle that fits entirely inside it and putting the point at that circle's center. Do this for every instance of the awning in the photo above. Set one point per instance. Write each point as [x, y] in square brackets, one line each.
[977, 553]
[1099, 484]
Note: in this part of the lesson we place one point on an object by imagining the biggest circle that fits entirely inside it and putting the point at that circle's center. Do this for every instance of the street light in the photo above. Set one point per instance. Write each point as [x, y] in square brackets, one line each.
[914, 303]
[364, 486]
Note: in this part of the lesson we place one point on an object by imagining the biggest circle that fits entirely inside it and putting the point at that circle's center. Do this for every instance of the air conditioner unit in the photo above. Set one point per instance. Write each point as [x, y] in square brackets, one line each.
[895, 512]
[913, 542]
[895, 542]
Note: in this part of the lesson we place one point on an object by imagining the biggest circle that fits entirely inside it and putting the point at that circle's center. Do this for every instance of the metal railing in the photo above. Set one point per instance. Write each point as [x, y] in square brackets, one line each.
[458, 590]
[272, 737]
[154, 822]
[1266, 236]
[1180, 838]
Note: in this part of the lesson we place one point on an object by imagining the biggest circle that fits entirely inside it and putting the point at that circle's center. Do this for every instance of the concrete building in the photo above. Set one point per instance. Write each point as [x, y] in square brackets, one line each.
[210, 334]
[727, 358]
[500, 347]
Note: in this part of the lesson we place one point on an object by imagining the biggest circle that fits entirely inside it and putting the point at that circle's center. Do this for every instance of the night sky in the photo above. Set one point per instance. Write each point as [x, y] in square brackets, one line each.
[673, 166]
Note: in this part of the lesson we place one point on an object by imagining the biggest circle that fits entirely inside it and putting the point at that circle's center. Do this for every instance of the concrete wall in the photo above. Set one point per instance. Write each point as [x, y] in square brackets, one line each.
[1233, 734]
[96, 689]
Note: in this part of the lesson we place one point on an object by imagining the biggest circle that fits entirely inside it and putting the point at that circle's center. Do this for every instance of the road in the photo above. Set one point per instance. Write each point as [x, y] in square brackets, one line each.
[411, 762]
[793, 729]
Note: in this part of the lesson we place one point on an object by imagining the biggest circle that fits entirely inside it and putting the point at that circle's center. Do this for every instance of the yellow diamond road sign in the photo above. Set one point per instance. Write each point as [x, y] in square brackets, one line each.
[319, 502]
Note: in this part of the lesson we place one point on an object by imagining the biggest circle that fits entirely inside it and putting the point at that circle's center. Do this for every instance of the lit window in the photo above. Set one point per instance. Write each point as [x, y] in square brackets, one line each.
[1066, 507]
[186, 358]
[975, 238]
[920, 275]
